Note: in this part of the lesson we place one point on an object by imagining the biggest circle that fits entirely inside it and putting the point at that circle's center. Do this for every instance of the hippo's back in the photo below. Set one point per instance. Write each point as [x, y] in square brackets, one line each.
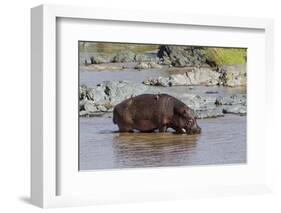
[144, 107]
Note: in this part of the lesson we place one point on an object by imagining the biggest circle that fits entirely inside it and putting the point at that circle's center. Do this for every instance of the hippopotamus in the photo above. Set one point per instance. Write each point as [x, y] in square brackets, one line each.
[151, 112]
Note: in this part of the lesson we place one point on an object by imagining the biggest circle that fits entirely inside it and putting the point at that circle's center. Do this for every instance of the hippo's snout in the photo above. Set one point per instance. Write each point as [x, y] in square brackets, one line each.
[196, 130]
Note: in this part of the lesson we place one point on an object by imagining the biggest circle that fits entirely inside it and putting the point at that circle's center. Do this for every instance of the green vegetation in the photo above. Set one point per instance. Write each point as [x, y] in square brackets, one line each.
[226, 56]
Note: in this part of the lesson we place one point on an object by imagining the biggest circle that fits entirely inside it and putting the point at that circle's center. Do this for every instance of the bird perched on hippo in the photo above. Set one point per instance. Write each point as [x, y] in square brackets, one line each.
[150, 112]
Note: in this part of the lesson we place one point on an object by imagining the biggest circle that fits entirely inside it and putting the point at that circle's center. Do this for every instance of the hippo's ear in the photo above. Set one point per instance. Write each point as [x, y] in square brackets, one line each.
[180, 111]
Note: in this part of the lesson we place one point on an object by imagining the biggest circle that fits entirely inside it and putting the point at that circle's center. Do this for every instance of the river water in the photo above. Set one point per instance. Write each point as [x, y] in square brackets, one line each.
[222, 141]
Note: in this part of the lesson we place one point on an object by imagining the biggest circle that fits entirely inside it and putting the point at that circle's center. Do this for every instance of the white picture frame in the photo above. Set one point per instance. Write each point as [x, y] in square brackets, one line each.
[45, 167]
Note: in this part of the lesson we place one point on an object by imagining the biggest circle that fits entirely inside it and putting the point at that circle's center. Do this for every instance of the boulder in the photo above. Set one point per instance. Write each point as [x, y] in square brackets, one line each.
[196, 76]
[208, 113]
[83, 113]
[203, 76]
[154, 65]
[117, 91]
[231, 100]
[124, 56]
[178, 80]
[104, 96]
[181, 56]
[203, 106]
[144, 58]
[82, 92]
[235, 109]
[234, 75]
[90, 106]
[100, 59]
[97, 94]
[142, 65]
[82, 103]
[160, 81]
[148, 65]
[165, 60]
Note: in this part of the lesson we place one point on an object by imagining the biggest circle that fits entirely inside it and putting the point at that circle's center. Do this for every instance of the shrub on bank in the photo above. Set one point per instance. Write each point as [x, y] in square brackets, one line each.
[226, 56]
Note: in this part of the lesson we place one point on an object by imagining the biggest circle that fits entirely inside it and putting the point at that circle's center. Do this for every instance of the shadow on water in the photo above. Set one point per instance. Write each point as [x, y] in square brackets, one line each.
[152, 149]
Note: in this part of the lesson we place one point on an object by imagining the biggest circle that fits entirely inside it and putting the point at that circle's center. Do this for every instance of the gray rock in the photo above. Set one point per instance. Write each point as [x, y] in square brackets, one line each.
[203, 76]
[181, 56]
[83, 113]
[160, 81]
[104, 96]
[193, 101]
[82, 92]
[144, 58]
[130, 89]
[148, 65]
[179, 80]
[87, 62]
[100, 58]
[204, 107]
[154, 65]
[142, 65]
[117, 91]
[234, 75]
[97, 94]
[235, 109]
[231, 100]
[124, 56]
[102, 108]
[90, 106]
[166, 60]
[208, 113]
[82, 103]
[197, 76]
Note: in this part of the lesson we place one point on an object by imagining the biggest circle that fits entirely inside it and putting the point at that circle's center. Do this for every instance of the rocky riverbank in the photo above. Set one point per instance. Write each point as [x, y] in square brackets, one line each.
[228, 75]
[101, 99]
[186, 65]
[178, 66]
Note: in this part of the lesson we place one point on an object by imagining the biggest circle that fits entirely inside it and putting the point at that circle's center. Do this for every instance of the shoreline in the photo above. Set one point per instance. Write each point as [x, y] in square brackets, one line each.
[102, 98]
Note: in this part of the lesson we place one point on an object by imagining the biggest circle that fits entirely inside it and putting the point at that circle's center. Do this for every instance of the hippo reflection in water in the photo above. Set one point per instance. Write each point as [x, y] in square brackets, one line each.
[149, 112]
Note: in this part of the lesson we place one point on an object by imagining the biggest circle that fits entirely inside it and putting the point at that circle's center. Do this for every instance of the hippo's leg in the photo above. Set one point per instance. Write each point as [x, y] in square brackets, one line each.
[163, 128]
[123, 128]
[126, 130]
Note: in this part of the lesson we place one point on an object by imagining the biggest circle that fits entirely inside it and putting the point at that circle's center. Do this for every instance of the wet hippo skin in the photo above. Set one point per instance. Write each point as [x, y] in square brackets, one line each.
[150, 112]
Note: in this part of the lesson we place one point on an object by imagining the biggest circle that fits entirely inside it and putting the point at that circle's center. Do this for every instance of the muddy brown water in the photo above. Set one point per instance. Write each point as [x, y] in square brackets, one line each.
[223, 140]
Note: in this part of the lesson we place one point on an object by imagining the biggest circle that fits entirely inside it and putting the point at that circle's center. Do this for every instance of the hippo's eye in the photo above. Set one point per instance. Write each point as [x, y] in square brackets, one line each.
[185, 113]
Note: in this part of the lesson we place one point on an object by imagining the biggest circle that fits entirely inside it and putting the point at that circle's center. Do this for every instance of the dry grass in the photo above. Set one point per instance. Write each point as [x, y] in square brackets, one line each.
[226, 56]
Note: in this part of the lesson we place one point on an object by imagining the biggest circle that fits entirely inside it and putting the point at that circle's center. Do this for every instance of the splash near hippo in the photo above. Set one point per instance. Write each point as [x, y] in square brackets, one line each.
[149, 113]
